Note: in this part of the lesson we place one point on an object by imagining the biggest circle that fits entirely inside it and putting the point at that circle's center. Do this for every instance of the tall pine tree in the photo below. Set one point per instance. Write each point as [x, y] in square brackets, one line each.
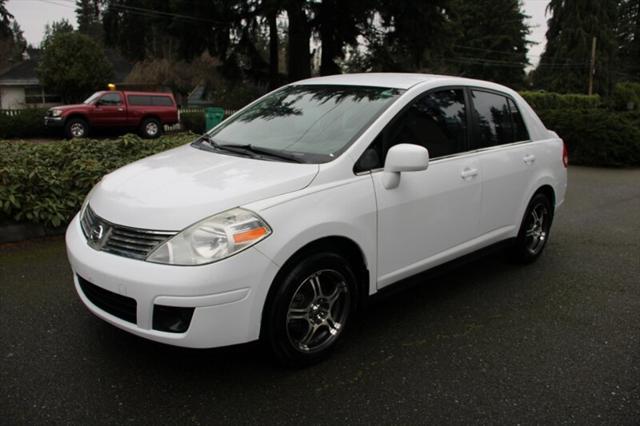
[629, 40]
[492, 41]
[565, 63]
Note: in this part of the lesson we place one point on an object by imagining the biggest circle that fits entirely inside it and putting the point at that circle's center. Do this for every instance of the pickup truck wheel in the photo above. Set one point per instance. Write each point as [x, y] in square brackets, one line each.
[76, 128]
[151, 128]
[308, 313]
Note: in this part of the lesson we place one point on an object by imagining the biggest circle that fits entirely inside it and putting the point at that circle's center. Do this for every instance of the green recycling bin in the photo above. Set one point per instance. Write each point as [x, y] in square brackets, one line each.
[213, 116]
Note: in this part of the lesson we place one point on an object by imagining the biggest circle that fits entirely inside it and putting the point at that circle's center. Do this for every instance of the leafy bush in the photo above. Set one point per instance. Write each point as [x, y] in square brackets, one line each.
[28, 123]
[193, 121]
[626, 97]
[597, 137]
[547, 100]
[46, 183]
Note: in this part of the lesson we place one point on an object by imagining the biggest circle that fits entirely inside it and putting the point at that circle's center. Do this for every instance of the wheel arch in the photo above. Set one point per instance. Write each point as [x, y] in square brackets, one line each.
[76, 115]
[338, 244]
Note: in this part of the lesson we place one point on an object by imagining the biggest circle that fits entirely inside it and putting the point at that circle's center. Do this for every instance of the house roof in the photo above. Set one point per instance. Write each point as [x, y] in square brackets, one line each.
[26, 72]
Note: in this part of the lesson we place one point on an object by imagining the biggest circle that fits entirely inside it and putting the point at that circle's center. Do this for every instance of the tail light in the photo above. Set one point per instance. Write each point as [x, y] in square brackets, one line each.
[565, 155]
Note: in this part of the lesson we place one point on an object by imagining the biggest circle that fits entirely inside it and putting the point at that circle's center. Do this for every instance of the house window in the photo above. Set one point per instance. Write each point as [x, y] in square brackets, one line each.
[36, 95]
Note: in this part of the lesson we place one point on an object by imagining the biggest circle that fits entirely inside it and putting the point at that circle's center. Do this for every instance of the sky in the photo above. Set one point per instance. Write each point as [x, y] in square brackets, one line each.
[32, 15]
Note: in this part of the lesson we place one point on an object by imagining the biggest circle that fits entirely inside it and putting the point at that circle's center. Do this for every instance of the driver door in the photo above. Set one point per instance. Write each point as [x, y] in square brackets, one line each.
[109, 111]
[430, 216]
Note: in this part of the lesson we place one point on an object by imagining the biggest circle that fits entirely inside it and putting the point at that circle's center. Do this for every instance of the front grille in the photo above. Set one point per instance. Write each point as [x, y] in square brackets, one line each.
[117, 305]
[121, 240]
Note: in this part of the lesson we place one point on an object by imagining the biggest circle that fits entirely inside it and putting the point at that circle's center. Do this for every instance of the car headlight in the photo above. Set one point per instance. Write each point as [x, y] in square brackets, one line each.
[56, 113]
[212, 239]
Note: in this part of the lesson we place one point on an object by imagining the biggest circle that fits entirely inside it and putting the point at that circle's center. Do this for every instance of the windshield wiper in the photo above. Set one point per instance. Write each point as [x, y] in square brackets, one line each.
[283, 155]
[248, 149]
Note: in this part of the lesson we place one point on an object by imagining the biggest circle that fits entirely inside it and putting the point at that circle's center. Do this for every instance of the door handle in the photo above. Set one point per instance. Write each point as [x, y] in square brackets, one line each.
[529, 159]
[120, 109]
[469, 173]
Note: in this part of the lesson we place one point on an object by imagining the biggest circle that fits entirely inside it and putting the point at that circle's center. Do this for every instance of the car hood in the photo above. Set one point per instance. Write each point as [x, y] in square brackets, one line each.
[71, 107]
[176, 188]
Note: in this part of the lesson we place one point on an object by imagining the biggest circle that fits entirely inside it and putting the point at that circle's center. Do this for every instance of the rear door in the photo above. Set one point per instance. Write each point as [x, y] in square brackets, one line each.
[431, 213]
[507, 158]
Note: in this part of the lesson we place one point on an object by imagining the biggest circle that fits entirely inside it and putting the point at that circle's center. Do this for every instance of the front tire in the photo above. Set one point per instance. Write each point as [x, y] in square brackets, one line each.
[76, 128]
[534, 230]
[151, 128]
[312, 304]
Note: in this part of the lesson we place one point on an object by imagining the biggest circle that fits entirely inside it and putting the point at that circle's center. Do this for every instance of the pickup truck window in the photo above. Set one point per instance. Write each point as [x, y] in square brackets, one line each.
[111, 99]
[146, 100]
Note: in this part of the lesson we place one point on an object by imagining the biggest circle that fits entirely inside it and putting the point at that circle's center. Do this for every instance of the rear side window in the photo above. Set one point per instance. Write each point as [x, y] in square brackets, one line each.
[520, 132]
[149, 100]
[161, 101]
[139, 100]
[492, 120]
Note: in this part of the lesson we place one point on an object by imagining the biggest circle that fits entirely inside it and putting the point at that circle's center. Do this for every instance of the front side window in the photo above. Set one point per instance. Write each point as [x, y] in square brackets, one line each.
[314, 122]
[437, 121]
[110, 99]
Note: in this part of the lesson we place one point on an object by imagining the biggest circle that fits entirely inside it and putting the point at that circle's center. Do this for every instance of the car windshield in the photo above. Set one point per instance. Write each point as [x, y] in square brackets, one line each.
[315, 123]
[91, 99]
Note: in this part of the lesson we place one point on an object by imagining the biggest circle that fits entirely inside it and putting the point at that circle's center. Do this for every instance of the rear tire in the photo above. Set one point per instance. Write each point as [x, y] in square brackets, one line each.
[76, 128]
[151, 128]
[534, 230]
[313, 302]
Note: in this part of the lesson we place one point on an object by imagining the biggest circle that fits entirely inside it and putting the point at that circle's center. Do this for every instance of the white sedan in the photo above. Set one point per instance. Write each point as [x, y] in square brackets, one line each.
[282, 220]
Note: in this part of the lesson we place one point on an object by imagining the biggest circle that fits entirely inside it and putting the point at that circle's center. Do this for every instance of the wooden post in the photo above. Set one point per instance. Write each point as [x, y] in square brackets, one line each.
[592, 68]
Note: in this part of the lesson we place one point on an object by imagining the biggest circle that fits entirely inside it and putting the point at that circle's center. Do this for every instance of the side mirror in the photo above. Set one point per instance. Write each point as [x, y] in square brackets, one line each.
[404, 157]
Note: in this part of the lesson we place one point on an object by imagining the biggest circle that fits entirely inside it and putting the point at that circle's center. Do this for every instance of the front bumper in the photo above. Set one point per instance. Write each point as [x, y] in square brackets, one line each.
[53, 121]
[227, 296]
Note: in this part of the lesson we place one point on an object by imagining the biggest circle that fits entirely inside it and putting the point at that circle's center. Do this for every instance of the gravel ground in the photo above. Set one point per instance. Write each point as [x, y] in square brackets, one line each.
[553, 342]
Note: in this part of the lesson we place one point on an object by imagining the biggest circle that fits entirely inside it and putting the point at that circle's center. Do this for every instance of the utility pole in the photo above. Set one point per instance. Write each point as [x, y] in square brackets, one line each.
[592, 68]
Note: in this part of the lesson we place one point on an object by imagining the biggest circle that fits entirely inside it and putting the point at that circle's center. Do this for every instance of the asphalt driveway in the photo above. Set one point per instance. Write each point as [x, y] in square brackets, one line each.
[553, 342]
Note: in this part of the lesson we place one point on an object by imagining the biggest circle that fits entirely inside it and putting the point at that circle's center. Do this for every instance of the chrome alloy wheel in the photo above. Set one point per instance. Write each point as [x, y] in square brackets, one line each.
[318, 311]
[537, 228]
[151, 128]
[77, 130]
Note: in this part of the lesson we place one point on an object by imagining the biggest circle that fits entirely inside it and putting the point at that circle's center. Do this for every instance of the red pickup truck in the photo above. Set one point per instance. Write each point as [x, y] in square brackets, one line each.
[146, 112]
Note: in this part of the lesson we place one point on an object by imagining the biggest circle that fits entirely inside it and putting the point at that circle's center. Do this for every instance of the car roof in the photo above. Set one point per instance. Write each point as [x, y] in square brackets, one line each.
[128, 92]
[391, 80]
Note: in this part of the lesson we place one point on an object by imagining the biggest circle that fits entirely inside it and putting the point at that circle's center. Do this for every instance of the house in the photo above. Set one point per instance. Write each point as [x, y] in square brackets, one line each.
[20, 87]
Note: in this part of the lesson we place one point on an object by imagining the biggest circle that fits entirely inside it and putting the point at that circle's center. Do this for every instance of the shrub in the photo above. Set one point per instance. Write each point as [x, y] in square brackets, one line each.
[46, 183]
[597, 137]
[546, 100]
[28, 123]
[193, 121]
[626, 97]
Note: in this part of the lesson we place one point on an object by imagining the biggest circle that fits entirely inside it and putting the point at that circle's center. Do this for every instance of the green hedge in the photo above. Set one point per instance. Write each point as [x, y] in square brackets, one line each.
[28, 123]
[47, 182]
[597, 137]
[626, 97]
[193, 121]
[546, 100]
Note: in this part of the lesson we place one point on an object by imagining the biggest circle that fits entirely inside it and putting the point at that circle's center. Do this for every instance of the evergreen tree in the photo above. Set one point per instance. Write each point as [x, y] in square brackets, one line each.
[5, 21]
[491, 43]
[89, 18]
[565, 63]
[629, 40]
[56, 28]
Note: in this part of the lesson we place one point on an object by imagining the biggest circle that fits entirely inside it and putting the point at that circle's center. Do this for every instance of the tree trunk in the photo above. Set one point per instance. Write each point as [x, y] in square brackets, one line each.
[330, 46]
[299, 60]
[273, 48]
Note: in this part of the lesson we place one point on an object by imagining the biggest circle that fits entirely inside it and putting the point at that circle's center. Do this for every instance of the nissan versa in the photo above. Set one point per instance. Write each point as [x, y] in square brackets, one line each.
[281, 221]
